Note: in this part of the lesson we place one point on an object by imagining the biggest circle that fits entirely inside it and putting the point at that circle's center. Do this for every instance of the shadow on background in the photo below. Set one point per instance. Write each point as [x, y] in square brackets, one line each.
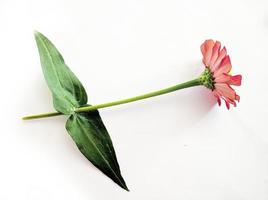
[195, 103]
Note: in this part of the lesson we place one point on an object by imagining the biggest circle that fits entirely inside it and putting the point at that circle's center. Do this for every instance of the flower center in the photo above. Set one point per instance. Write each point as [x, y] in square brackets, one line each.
[207, 79]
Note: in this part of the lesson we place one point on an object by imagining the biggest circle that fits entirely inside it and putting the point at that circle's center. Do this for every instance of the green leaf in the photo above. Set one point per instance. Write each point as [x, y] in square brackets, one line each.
[93, 140]
[86, 129]
[68, 92]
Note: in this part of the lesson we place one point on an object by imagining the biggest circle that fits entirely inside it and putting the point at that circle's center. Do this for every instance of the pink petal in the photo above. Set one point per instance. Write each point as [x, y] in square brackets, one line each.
[237, 97]
[223, 78]
[206, 49]
[225, 90]
[203, 50]
[224, 67]
[215, 53]
[217, 97]
[227, 104]
[220, 93]
[216, 64]
[231, 102]
[235, 80]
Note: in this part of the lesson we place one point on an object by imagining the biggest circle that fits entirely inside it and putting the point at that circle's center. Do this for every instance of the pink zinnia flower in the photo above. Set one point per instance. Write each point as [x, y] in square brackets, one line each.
[217, 75]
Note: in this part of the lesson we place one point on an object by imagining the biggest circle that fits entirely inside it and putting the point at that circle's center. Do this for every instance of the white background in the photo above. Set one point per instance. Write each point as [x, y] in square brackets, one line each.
[177, 146]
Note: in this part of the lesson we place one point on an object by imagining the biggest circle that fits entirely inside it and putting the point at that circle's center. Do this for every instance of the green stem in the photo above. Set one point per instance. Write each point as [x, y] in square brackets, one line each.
[191, 83]
[187, 84]
[43, 115]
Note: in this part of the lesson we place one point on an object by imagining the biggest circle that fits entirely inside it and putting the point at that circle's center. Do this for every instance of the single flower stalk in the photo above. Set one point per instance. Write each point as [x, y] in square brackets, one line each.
[84, 123]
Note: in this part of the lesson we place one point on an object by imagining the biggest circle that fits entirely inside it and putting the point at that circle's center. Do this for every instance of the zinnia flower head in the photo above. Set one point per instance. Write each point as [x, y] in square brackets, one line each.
[217, 75]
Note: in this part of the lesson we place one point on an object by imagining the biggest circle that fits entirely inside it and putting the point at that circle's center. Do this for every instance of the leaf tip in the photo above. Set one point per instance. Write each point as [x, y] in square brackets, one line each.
[122, 183]
[126, 188]
[36, 33]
